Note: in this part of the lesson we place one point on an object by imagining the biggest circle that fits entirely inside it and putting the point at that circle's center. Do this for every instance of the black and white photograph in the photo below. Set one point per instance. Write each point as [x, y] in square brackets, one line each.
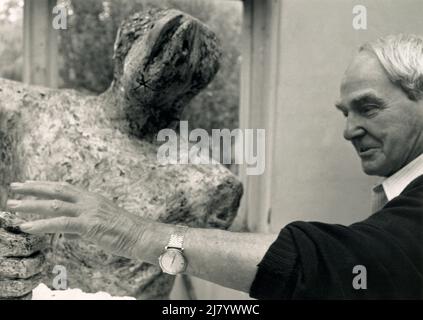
[228, 151]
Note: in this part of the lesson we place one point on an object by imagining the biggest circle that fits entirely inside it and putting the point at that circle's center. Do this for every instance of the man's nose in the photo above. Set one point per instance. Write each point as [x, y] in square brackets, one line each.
[353, 128]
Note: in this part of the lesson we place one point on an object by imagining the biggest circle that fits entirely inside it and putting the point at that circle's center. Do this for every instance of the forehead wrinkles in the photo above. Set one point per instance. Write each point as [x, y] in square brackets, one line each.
[365, 72]
[357, 87]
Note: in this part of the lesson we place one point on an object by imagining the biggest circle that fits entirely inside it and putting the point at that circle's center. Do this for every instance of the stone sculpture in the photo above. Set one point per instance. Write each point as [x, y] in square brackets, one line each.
[21, 259]
[106, 144]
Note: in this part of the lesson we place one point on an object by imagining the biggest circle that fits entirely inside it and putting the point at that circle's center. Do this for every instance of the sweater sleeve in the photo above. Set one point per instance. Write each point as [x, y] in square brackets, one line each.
[314, 260]
[274, 274]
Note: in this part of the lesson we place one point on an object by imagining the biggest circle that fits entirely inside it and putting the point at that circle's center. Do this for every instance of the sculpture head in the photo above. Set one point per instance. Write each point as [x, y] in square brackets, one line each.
[163, 58]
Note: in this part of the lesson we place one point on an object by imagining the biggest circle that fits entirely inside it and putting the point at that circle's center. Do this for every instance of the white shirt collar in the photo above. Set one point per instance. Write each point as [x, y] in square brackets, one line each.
[396, 183]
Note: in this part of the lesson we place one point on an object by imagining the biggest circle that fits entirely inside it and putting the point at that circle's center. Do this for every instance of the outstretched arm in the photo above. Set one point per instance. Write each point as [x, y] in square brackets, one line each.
[226, 258]
[223, 257]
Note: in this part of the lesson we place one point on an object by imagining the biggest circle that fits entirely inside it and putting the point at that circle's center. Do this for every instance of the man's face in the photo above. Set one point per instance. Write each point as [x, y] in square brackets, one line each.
[382, 123]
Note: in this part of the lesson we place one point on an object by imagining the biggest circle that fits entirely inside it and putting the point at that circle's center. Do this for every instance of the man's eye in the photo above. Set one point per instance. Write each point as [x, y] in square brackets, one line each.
[369, 109]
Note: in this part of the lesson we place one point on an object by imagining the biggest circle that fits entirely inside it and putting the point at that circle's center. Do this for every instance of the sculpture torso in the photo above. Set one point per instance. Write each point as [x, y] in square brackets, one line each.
[62, 135]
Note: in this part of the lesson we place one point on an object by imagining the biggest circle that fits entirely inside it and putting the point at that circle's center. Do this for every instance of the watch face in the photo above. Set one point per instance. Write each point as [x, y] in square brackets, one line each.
[172, 261]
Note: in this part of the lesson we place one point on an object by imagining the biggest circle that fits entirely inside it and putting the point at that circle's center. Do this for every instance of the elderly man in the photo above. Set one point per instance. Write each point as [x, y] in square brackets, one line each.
[381, 99]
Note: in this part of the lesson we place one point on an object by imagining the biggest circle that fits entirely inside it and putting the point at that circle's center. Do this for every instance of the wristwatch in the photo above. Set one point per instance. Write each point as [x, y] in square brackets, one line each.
[172, 260]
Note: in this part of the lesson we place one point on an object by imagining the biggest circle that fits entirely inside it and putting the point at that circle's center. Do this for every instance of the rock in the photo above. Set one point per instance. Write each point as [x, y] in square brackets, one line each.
[9, 221]
[21, 260]
[27, 296]
[13, 268]
[14, 243]
[18, 288]
[106, 144]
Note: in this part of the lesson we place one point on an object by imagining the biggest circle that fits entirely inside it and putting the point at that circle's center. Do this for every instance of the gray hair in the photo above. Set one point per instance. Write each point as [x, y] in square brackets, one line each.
[402, 58]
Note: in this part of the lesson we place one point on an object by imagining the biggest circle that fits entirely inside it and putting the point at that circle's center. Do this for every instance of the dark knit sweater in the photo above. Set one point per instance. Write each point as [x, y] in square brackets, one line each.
[313, 260]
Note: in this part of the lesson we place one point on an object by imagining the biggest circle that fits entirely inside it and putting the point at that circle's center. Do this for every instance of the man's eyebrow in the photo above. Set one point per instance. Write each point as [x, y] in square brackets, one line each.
[357, 101]
[367, 97]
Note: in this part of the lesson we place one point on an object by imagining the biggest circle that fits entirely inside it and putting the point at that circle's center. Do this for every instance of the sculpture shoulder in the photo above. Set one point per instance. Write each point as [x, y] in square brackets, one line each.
[28, 103]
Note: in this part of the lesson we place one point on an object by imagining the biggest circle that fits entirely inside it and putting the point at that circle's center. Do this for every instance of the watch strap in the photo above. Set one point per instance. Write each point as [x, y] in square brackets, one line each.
[176, 240]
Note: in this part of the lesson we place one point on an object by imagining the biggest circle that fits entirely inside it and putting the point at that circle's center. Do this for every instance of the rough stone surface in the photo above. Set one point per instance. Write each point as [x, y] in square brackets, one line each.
[19, 245]
[14, 243]
[27, 296]
[106, 144]
[18, 268]
[19, 288]
[21, 260]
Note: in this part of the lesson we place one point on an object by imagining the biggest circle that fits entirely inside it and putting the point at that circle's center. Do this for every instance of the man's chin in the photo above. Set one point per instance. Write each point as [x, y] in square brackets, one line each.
[372, 169]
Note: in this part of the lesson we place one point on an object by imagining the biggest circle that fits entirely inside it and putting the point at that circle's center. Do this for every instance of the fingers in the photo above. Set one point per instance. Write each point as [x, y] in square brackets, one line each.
[49, 208]
[54, 225]
[72, 237]
[47, 189]
[63, 208]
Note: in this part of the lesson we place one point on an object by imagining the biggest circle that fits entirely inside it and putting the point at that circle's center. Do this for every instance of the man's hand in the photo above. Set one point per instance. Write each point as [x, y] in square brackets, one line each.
[74, 211]
[209, 252]
[21, 261]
